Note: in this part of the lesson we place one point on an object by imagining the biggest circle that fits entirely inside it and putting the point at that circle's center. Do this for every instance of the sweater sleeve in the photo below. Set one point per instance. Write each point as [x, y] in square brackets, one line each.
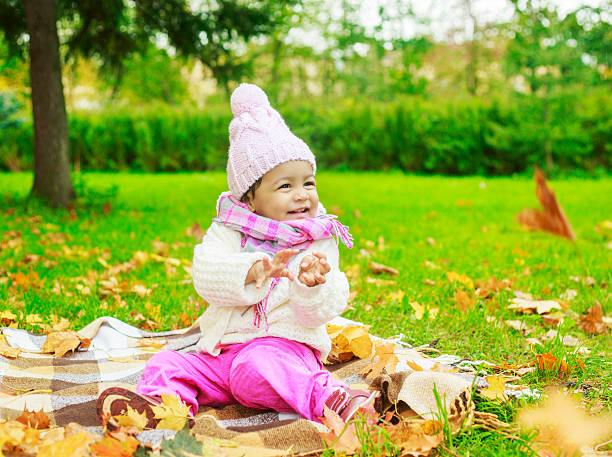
[317, 305]
[220, 269]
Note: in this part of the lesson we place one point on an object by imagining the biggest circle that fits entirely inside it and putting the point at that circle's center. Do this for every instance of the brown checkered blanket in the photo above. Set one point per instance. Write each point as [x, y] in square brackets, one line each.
[67, 388]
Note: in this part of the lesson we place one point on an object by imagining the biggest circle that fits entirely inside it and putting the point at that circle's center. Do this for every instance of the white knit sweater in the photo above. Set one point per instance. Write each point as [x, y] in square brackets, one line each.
[294, 311]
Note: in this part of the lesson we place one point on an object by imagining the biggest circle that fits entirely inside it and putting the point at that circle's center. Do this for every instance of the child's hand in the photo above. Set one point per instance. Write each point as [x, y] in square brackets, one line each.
[275, 268]
[313, 268]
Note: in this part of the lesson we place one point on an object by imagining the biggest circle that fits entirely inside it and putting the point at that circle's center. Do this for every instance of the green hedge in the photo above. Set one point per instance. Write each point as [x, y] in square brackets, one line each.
[471, 136]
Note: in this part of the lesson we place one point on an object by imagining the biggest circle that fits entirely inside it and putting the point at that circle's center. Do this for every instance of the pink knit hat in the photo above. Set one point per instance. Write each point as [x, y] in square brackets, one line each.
[259, 140]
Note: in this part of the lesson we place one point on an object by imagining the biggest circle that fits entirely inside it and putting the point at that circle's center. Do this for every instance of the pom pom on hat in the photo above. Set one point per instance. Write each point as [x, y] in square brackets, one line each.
[247, 96]
[259, 140]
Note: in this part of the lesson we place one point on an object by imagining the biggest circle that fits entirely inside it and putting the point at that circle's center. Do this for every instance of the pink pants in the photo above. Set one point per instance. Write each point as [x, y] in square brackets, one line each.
[264, 373]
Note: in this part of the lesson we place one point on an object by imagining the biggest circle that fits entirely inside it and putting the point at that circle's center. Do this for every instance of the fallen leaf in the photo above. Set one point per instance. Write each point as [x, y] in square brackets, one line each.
[550, 363]
[552, 218]
[520, 327]
[131, 417]
[463, 279]
[592, 322]
[416, 436]
[526, 305]
[172, 411]
[71, 446]
[464, 300]
[379, 281]
[496, 389]
[378, 268]
[112, 447]
[354, 339]
[38, 420]
[7, 350]
[419, 310]
[398, 295]
[341, 436]
[386, 360]
[59, 343]
[563, 426]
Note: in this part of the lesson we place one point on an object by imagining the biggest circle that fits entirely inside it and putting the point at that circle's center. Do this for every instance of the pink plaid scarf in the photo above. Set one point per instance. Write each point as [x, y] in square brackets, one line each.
[264, 234]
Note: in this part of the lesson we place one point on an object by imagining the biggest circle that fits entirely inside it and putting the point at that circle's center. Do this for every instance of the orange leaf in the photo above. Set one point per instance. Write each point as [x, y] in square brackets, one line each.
[592, 322]
[548, 362]
[552, 218]
[464, 300]
[378, 268]
[112, 447]
[342, 435]
[38, 420]
[387, 361]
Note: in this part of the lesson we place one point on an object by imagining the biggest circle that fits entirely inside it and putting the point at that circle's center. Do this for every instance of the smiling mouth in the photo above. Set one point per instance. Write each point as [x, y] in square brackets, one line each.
[300, 212]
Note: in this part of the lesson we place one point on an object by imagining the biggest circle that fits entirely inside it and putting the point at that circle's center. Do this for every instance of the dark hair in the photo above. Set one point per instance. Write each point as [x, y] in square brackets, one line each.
[250, 193]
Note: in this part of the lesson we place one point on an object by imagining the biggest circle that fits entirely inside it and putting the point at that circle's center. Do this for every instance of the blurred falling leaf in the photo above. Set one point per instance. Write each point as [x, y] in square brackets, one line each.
[552, 218]
[563, 427]
[378, 268]
[59, 343]
[195, 231]
[592, 322]
[172, 411]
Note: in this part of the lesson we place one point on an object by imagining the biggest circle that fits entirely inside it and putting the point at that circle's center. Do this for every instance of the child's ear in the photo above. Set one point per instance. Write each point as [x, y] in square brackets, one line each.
[248, 200]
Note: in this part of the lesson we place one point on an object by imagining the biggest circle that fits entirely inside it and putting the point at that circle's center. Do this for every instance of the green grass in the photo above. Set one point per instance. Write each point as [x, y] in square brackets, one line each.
[466, 225]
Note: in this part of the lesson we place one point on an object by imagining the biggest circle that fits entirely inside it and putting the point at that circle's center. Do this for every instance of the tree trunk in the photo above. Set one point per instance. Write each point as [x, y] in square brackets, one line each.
[51, 146]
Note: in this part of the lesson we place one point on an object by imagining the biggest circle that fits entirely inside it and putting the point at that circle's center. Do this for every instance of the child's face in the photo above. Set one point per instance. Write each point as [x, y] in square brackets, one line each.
[287, 192]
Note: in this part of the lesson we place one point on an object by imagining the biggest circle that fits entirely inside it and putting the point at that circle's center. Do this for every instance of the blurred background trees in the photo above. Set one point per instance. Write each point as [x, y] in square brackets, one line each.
[457, 86]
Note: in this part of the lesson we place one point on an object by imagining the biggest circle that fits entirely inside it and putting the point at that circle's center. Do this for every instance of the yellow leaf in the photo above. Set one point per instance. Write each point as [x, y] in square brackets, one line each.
[497, 386]
[59, 343]
[7, 350]
[132, 418]
[419, 310]
[172, 411]
[73, 446]
[398, 295]
[463, 279]
[356, 339]
[11, 432]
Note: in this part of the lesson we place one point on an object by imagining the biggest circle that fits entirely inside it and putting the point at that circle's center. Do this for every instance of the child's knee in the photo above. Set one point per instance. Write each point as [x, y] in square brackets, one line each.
[164, 359]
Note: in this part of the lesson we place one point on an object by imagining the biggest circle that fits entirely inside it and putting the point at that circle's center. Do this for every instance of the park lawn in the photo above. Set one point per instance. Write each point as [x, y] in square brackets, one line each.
[425, 227]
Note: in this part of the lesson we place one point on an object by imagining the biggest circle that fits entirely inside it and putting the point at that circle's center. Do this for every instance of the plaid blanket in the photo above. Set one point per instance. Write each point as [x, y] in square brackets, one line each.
[67, 388]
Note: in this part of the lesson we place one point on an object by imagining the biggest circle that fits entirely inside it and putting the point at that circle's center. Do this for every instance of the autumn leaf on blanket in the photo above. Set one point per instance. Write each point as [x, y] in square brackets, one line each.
[563, 427]
[416, 437]
[131, 417]
[385, 360]
[59, 343]
[552, 218]
[38, 419]
[379, 268]
[353, 339]
[172, 411]
[112, 447]
[592, 322]
[11, 433]
[496, 389]
[341, 436]
[72, 446]
[7, 350]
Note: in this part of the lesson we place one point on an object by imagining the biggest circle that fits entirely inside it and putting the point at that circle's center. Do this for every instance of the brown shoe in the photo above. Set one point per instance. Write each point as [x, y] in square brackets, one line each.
[115, 400]
[346, 401]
